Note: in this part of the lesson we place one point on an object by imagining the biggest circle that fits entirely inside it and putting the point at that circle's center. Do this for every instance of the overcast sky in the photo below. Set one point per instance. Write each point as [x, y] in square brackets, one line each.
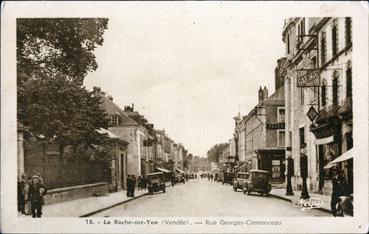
[189, 70]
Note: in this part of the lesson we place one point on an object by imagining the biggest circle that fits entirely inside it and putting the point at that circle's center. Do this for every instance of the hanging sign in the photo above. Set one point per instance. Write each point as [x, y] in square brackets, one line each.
[311, 78]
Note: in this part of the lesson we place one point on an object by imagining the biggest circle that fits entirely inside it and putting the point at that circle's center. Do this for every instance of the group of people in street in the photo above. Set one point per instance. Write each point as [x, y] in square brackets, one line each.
[31, 192]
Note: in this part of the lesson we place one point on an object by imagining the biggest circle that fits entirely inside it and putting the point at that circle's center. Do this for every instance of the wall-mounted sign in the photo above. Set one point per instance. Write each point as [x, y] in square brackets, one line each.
[312, 113]
[309, 78]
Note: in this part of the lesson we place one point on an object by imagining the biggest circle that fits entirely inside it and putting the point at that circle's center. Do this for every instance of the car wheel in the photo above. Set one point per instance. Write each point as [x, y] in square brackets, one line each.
[267, 194]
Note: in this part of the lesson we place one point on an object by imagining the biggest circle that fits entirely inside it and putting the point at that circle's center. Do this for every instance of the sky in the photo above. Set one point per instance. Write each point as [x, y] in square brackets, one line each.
[189, 70]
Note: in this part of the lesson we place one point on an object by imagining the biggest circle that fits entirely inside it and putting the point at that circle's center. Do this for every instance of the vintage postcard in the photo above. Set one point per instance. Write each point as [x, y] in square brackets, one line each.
[184, 117]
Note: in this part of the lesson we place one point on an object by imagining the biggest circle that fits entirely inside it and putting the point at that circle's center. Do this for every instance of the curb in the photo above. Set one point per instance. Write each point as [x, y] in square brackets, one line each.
[111, 206]
[290, 200]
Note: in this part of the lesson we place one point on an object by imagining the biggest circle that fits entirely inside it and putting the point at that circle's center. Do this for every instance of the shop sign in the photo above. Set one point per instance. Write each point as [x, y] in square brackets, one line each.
[311, 78]
[312, 114]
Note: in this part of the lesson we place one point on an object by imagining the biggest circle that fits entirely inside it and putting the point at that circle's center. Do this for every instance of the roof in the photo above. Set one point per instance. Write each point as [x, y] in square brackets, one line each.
[111, 135]
[113, 109]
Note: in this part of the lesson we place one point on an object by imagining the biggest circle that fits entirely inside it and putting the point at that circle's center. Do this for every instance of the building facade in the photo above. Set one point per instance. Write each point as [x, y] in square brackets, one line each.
[318, 86]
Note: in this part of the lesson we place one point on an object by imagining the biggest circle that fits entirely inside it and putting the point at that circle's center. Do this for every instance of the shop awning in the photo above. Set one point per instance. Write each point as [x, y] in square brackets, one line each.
[324, 141]
[179, 170]
[345, 156]
[162, 170]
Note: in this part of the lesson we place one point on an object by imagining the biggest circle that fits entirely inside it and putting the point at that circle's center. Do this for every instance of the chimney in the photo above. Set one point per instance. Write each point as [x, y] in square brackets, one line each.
[97, 91]
[110, 98]
[265, 93]
[261, 94]
[133, 106]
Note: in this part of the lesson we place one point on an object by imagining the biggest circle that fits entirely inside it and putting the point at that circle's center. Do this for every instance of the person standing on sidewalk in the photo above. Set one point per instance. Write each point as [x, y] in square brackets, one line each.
[133, 185]
[139, 183]
[338, 182]
[129, 185]
[27, 204]
[35, 193]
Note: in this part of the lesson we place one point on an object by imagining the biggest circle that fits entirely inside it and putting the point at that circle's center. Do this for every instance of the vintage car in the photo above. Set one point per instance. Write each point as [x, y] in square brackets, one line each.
[155, 182]
[191, 176]
[239, 180]
[220, 177]
[180, 178]
[228, 178]
[258, 181]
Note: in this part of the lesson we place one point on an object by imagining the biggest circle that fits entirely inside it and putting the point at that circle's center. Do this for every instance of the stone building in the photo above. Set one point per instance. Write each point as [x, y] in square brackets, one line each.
[318, 88]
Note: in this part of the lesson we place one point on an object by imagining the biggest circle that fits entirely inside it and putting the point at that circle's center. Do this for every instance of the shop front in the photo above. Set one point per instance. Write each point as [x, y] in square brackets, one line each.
[274, 161]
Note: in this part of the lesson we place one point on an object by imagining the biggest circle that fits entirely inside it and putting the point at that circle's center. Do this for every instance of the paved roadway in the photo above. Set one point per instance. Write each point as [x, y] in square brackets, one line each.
[200, 197]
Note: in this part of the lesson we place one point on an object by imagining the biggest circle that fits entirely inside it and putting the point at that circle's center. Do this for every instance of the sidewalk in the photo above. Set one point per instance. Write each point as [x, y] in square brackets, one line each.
[281, 194]
[87, 206]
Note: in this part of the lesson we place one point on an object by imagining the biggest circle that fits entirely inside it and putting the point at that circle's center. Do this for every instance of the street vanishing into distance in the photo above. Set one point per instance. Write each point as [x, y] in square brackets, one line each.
[201, 197]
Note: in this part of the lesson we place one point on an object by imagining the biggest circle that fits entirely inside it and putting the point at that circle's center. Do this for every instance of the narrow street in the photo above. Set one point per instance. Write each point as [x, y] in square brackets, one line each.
[200, 197]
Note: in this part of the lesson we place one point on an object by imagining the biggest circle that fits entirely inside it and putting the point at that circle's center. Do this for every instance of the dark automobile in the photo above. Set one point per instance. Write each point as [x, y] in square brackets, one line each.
[220, 177]
[258, 181]
[239, 180]
[191, 176]
[180, 178]
[156, 182]
[228, 178]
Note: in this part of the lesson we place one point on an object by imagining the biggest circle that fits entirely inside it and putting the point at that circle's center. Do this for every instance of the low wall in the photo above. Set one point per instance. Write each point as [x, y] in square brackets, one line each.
[75, 192]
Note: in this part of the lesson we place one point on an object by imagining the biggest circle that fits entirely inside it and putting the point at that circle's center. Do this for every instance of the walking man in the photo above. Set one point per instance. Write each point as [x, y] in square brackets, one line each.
[36, 192]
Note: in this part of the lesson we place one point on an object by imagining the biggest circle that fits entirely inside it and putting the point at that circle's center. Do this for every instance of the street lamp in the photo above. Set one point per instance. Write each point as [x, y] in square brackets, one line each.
[290, 170]
[304, 172]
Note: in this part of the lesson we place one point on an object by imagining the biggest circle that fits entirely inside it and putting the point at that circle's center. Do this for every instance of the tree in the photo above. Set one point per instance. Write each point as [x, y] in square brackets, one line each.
[49, 46]
[216, 152]
[53, 57]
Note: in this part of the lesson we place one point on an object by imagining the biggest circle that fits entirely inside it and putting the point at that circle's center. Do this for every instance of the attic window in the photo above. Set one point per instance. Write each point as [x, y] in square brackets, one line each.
[114, 120]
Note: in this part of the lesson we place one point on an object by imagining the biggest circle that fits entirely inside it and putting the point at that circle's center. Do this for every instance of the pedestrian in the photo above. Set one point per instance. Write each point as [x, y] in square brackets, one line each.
[139, 183]
[129, 185]
[20, 194]
[337, 184]
[133, 186]
[35, 194]
[144, 183]
[172, 179]
[27, 204]
[211, 177]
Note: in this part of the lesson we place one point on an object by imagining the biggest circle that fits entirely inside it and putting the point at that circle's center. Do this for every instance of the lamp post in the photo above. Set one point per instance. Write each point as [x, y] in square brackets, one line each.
[290, 169]
[304, 172]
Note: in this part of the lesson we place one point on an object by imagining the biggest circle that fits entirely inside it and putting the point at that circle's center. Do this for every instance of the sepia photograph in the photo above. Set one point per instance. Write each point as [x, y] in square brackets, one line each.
[159, 114]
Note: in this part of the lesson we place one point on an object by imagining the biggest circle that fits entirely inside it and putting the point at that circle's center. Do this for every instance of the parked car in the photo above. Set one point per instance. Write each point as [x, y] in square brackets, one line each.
[180, 178]
[228, 178]
[239, 180]
[155, 182]
[220, 177]
[258, 181]
[191, 176]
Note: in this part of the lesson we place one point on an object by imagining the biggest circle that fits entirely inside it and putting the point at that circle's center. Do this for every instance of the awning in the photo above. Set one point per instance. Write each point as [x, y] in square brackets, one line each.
[324, 141]
[179, 170]
[162, 170]
[345, 156]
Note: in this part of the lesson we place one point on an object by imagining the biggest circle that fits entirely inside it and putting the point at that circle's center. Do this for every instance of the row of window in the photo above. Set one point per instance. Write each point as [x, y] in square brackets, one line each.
[335, 39]
[323, 40]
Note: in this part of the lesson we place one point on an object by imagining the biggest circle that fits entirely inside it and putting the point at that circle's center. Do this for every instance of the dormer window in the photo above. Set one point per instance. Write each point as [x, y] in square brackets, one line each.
[113, 120]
